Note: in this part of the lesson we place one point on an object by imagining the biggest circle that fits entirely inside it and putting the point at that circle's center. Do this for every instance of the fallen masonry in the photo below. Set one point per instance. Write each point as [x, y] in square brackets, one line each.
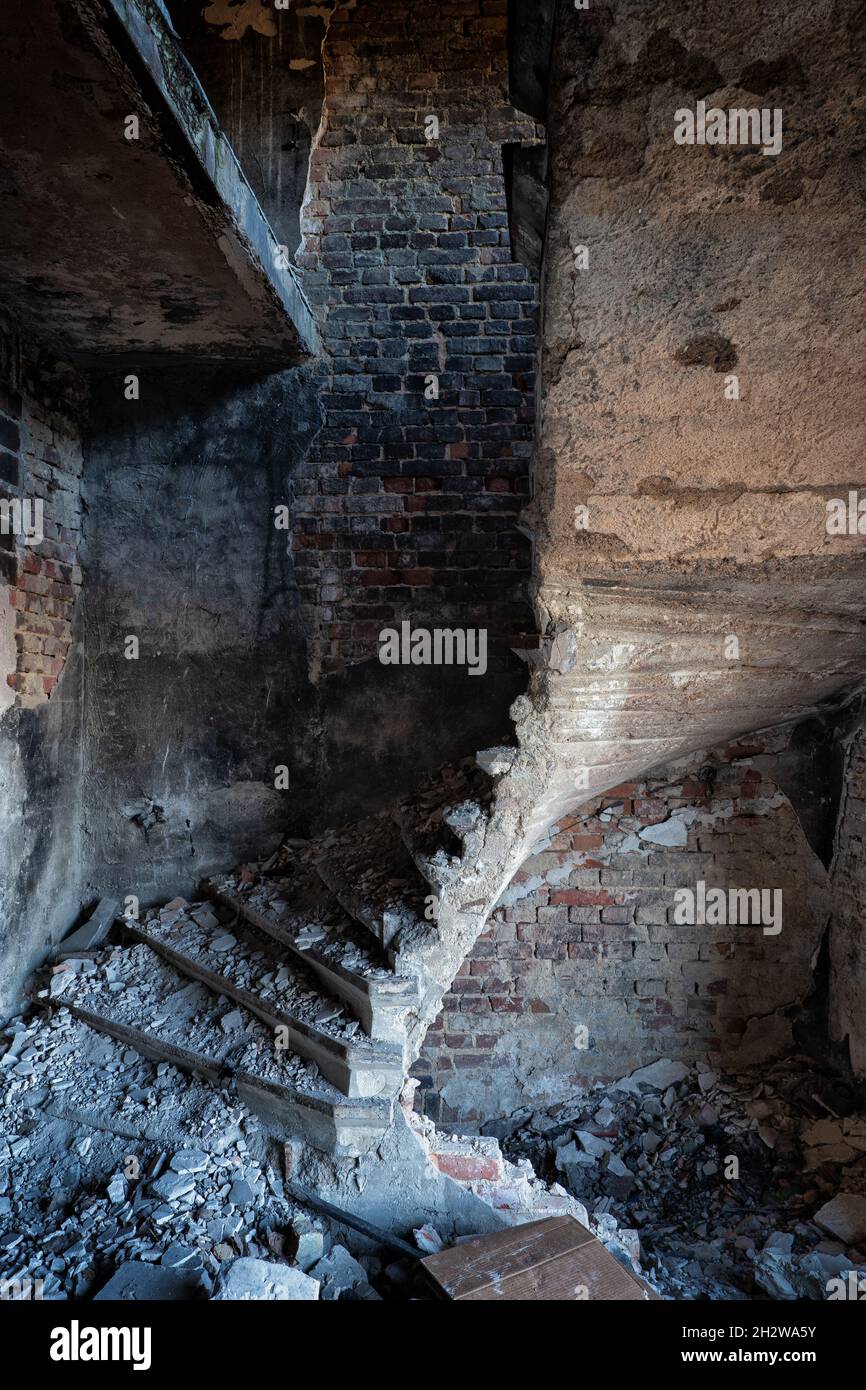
[159, 1185]
[738, 1187]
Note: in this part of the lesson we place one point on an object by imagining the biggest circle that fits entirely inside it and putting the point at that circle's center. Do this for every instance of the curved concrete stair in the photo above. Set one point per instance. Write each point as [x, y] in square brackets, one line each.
[297, 913]
[141, 1001]
[284, 996]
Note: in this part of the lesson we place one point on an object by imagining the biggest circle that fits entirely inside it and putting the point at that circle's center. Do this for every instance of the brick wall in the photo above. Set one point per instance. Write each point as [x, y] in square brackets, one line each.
[406, 507]
[584, 938]
[848, 874]
[40, 461]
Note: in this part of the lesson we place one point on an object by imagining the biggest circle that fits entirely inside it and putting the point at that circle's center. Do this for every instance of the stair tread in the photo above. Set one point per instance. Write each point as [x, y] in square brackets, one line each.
[280, 984]
[374, 877]
[436, 818]
[135, 989]
[294, 900]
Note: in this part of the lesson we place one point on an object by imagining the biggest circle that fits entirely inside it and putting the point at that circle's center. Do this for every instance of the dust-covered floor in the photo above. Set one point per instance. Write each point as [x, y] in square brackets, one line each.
[115, 1168]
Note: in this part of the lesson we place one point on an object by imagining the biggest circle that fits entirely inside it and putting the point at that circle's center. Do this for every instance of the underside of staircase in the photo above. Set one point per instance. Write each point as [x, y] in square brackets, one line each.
[305, 983]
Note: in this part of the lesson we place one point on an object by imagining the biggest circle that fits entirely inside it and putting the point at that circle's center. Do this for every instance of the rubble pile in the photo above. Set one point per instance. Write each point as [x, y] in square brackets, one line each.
[126, 1178]
[121, 1178]
[747, 1186]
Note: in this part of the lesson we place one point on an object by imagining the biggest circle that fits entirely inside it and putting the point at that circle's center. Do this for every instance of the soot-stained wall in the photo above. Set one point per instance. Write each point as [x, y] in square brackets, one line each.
[41, 406]
[194, 655]
[197, 668]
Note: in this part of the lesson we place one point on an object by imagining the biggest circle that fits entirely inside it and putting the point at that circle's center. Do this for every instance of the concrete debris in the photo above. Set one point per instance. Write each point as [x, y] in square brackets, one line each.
[725, 1204]
[845, 1218]
[339, 1273]
[169, 1181]
[250, 1280]
[135, 1280]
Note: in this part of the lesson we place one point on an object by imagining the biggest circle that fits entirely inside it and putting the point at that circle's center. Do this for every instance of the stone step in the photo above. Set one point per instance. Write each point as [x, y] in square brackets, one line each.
[287, 997]
[375, 879]
[138, 999]
[295, 909]
[437, 820]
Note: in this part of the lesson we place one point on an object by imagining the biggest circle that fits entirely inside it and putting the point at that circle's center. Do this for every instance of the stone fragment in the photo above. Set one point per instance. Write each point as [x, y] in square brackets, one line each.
[136, 1280]
[171, 1186]
[338, 1272]
[241, 1194]
[250, 1280]
[304, 1245]
[659, 1075]
[844, 1217]
[189, 1161]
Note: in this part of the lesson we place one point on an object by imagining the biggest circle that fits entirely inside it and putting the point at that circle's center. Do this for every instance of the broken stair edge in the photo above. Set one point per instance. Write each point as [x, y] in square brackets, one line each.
[358, 1072]
[378, 1004]
[343, 1127]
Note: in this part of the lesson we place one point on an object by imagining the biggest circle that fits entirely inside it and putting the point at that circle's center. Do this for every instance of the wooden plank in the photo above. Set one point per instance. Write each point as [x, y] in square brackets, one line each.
[556, 1259]
[476, 1264]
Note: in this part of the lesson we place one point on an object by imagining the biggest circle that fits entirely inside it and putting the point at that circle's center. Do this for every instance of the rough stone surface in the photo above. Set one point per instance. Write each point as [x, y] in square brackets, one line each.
[248, 1280]
[583, 971]
[844, 1217]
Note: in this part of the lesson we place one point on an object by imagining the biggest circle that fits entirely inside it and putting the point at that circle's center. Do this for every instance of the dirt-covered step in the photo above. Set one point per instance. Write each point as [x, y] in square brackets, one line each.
[137, 998]
[374, 878]
[249, 968]
[438, 819]
[293, 906]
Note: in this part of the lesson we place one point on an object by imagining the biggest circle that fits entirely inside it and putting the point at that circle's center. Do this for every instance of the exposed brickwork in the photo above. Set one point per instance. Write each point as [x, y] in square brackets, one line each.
[848, 950]
[407, 505]
[585, 937]
[40, 461]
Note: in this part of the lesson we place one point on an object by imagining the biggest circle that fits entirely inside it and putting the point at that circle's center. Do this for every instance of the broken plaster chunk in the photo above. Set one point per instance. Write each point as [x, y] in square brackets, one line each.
[844, 1217]
[660, 1075]
[250, 1280]
[673, 832]
[338, 1272]
[428, 1239]
[495, 761]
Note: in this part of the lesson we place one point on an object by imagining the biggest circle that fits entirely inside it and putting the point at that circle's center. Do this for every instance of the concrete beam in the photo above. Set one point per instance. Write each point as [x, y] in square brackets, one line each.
[125, 241]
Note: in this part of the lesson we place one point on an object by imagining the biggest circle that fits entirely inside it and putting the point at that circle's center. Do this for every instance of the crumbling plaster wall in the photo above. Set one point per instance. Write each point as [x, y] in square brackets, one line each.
[687, 588]
[41, 407]
[703, 260]
[583, 972]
